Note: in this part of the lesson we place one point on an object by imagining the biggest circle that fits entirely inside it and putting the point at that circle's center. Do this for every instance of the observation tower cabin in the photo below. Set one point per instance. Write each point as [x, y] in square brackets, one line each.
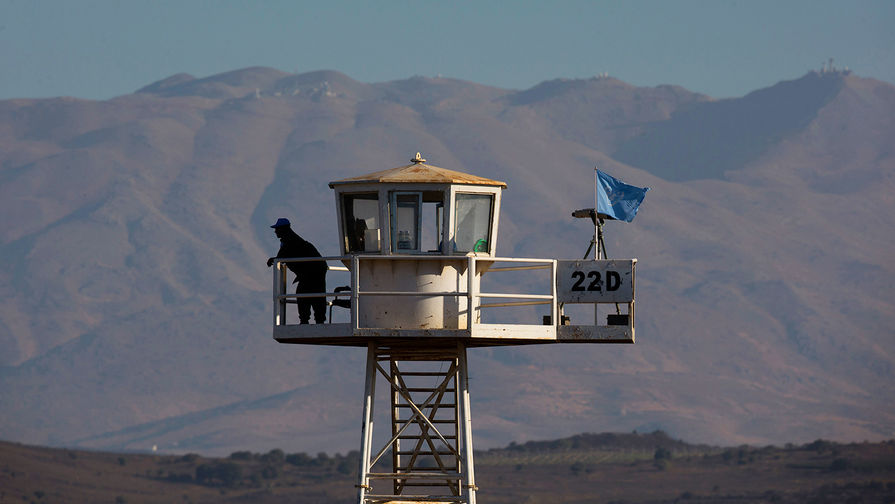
[415, 243]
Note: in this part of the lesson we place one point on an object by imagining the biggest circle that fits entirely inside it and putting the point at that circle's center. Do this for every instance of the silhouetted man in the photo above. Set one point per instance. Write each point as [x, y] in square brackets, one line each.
[310, 275]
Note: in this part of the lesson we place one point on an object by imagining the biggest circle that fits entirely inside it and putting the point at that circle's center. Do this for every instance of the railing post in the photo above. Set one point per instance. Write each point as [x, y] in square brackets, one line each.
[556, 316]
[470, 292]
[355, 285]
[631, 304]
[278, 303]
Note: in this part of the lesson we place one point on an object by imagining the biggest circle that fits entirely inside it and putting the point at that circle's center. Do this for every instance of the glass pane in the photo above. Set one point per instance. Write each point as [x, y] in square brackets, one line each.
[439, 234]
[473, 228]
[433, 213]
[406, 222]
[361, 222]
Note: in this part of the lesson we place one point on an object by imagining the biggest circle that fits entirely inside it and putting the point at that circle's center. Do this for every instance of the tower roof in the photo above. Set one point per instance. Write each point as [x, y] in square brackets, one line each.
[420, 173]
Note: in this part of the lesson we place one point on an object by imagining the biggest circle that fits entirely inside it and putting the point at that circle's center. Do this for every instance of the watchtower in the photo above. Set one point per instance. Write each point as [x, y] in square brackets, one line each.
[416, 242]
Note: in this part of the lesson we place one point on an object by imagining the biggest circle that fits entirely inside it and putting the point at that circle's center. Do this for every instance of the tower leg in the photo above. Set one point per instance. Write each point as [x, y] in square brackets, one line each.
[466, 424]
[367, 427]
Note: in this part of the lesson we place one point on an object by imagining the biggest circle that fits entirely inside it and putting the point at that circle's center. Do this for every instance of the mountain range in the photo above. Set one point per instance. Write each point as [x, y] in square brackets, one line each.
[135, 300]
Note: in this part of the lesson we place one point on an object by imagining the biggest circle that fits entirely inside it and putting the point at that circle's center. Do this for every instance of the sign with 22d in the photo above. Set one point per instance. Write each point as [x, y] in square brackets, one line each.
[604, 281]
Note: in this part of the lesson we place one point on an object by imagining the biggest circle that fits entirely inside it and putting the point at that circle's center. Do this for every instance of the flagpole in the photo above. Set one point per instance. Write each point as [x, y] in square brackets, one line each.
[597, 230]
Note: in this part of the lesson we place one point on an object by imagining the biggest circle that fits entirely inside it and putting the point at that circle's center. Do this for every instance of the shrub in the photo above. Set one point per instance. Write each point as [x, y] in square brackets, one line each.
[353, 457]
[346, 467]
[204, 473]
[241, 455]
[275, 456]
[180, 478]
[298, 459]
[269, 472]
[819, 445]
[228, 473]
[772, 496]
[839, 464]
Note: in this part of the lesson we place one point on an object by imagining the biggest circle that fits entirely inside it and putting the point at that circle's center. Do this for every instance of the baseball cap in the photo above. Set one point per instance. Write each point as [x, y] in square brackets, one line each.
[281, 222]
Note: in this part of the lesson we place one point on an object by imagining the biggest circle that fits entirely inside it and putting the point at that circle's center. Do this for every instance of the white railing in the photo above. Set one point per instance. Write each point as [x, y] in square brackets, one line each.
[474, 297]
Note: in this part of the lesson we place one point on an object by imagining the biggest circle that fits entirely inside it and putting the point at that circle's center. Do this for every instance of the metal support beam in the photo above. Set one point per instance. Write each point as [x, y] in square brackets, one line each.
[363, 472]
[466, 428]
[429, 411]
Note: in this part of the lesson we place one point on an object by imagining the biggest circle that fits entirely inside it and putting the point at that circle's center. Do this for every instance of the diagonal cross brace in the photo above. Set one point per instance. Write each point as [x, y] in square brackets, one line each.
[417, 414]
[424, 429]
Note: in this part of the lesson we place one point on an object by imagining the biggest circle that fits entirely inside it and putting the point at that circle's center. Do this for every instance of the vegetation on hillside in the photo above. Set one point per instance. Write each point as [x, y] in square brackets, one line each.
[587, 468]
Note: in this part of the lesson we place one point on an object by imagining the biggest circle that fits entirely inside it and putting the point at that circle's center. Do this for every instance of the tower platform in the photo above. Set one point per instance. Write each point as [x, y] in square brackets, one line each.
[455, 326]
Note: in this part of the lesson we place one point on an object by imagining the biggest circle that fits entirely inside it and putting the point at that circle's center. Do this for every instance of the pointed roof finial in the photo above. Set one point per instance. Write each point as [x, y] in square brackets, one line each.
[418, 159]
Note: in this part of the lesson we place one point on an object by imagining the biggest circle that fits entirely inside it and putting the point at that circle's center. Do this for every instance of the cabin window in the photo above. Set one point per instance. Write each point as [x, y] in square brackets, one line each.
[361, 213]
[472, 231]
[404, 211]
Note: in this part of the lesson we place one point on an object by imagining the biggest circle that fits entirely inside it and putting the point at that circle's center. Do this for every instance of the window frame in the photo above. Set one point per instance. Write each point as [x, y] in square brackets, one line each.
[456, 197]
[346, 204]
[393, 221]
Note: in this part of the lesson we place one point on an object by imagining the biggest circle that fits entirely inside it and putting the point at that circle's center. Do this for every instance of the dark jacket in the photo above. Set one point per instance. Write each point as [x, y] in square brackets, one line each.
[312, 273]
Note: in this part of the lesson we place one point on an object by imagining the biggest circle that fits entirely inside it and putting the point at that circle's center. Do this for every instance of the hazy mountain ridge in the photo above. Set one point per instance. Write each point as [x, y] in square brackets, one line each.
[602, 112]
[136, 306]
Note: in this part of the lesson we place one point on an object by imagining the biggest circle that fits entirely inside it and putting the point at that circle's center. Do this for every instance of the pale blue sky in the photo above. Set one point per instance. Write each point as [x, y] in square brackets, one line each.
[101, 49]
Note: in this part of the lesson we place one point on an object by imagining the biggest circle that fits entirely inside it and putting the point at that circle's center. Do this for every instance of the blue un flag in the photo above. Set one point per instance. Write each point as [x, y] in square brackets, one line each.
[617, 200]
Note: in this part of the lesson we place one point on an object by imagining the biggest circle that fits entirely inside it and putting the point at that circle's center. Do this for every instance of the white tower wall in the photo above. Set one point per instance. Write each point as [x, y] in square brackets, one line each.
[414, 312]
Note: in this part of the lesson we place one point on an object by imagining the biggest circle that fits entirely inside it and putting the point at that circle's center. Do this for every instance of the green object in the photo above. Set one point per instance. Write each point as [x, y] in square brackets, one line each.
[481, 245]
